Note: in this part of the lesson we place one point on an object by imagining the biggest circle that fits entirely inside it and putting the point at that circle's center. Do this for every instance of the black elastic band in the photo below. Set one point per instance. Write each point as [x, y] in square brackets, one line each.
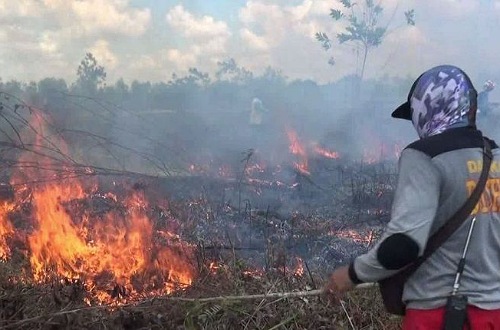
[352, 274]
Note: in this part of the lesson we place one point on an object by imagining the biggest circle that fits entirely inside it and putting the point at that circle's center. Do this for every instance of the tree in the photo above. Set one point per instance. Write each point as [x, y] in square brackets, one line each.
[13, 87]
[50, 86]
[140, 95]
[51, 90]
[194, 84]
[364, 28]
[195, 78]
[118, 93]
[91, 75]
[230, 71]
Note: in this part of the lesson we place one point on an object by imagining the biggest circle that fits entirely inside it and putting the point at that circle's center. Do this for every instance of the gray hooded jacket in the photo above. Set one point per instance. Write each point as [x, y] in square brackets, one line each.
[436, 176]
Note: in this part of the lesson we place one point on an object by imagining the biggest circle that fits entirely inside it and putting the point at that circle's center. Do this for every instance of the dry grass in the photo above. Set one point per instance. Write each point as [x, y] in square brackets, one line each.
[60, 305]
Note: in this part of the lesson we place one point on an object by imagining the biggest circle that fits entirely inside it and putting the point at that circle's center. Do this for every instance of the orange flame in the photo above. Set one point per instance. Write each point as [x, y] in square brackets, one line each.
[6, 229]
[299, 268]
[117, 248]
[296, 148]
[354, 235]
[326, 153]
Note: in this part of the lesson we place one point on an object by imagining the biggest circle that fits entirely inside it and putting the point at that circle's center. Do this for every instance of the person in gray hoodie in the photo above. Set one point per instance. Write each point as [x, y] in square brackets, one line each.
[436, 175]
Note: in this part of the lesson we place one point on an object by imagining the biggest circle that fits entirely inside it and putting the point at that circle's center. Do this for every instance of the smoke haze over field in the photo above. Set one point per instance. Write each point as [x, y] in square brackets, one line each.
[181, 75]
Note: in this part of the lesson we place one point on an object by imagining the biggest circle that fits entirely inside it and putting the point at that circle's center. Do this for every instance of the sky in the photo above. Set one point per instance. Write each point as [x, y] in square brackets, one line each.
[148, 40]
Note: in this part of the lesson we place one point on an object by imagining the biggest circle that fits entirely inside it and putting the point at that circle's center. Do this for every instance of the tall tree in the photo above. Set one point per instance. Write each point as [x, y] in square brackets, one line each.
[230, 71]
[91, 75]
[363, 29]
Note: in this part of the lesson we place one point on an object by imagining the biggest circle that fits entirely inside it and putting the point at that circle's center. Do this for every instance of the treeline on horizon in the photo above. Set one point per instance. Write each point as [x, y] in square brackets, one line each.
[196, 112]
[231, 86]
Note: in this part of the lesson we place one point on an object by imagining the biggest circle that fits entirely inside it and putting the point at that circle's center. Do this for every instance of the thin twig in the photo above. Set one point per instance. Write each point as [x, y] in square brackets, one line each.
[310, 275]
[349, 318]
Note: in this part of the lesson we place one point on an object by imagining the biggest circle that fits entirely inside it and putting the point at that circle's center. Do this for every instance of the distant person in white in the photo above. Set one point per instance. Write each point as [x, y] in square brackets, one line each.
[257, 112]
[483, 102]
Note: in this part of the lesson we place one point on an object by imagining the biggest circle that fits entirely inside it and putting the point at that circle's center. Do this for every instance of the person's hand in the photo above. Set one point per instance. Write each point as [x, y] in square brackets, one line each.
[338, 284]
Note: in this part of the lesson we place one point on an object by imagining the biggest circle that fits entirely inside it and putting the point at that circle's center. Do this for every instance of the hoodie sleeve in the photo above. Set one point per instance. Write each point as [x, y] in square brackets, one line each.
[413, 210]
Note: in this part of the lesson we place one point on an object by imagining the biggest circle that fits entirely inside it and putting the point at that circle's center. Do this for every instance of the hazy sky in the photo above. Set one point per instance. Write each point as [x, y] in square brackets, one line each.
[149, 40]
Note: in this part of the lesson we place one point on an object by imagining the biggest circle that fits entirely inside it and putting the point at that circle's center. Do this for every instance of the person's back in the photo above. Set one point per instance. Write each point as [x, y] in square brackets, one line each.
[454, 160]
[436, 175]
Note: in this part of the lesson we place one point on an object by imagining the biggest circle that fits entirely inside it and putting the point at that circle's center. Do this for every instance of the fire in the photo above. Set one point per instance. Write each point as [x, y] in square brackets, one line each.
[116, 247]
[254, 273]
[6, 229]
[357, 236]
[297, 149]
[302, 152]
[326, 153]
[213, 267]
[299, 268]
[118, 250]
[255, 168]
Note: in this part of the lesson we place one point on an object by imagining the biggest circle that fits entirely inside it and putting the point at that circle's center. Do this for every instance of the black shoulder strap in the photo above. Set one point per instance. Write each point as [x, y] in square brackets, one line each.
[463, 213]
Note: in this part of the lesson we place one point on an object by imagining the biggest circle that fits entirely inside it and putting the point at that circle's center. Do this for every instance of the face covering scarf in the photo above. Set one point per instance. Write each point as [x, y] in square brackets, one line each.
[440, 101]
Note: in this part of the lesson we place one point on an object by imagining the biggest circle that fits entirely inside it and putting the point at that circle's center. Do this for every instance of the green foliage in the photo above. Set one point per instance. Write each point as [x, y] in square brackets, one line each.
[346, 3]
[230, 71]
[121, 86]
[336, 14]
[91, 75]
[363, 30]
[410, 17]
[195, 78]
[52, 85]
[323, 38]
[272, 75]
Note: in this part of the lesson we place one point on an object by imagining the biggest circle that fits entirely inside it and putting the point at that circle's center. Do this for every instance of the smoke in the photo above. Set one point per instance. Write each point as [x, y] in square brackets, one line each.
[193, 125]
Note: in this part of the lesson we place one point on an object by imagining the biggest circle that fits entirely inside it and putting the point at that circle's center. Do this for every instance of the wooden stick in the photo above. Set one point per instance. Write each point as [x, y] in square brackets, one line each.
[273, 295]
[250, 297]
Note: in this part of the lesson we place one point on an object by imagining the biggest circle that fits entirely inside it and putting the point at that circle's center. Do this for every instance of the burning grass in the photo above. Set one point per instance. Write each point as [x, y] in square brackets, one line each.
[87, 247]
[105, 236]
[134, 286]
[62, 304]
[117, 254]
